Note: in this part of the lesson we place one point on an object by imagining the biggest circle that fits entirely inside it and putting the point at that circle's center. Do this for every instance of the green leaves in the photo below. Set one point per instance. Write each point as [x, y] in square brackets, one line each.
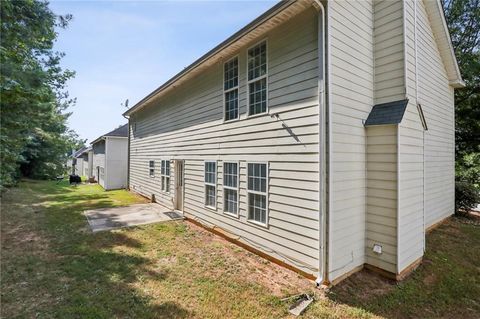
[463, 19]
[34, 136]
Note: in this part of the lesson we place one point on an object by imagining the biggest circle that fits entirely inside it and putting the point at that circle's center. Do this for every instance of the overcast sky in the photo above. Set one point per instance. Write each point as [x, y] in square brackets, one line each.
[125, 49]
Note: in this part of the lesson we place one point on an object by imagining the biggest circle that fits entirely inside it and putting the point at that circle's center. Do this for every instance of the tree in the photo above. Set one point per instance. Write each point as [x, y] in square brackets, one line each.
[463, 19]
[32, 86]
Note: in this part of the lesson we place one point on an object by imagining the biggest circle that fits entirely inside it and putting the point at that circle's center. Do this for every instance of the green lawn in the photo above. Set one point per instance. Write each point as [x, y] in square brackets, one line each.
[53, 266]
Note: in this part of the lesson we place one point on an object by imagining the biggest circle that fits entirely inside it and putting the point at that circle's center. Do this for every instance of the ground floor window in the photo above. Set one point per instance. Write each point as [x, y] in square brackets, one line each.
[210, 170]
[257, 180]
[230, 188]
[165, 173]
[151, 168]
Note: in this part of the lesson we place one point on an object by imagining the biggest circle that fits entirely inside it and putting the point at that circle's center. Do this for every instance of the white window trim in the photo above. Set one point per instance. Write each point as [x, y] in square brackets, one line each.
[149, 168]
[237, 214]
[210, 184]
[259, 193]
[162, 176]
[257, 79]
[231, 89]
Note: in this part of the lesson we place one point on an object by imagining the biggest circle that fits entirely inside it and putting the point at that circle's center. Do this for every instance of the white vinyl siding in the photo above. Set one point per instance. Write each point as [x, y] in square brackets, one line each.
[257, 79]
[352, 98]
[388, 51]
[210, 173]
[188, 124]
[230, 188]
[381, 219]
[165, 176]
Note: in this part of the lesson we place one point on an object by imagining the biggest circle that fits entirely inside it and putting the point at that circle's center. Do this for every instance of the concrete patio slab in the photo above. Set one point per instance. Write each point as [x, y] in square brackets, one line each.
[118, 217]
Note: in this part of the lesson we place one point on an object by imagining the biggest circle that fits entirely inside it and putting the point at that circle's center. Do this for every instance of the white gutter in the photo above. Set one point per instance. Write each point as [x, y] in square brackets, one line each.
[321, 143]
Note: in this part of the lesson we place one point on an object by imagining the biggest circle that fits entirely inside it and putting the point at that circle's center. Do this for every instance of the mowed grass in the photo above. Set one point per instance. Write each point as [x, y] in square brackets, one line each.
[52, 266]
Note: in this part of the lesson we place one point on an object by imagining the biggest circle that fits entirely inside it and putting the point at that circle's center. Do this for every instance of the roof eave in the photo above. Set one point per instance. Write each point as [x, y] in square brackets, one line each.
[272, 12]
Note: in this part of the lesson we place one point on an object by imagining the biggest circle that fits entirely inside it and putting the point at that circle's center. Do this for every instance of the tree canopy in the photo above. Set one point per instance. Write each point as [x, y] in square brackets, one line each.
[34, 136]
[463, 19]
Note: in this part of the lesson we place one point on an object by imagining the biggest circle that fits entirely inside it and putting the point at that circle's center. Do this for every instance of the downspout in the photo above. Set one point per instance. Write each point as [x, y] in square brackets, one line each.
[321, 142]
[128, 152]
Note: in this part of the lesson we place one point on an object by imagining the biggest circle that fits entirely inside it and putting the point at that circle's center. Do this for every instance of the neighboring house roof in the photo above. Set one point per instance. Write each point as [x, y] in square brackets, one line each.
[79, 152]
[387, 113]
[281, 12]
[121, 131]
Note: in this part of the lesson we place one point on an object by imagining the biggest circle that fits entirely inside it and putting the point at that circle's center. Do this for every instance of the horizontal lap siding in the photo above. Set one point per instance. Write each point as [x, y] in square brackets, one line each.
[389, 61]
[187, 124]
[410, 219]
[436, 96]
[382, 196]
[351, 85]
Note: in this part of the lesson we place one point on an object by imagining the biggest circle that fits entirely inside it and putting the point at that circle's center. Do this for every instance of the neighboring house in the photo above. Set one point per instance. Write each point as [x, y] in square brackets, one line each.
[77, 162]
[85, 162]
[321, 134]
[109, 158]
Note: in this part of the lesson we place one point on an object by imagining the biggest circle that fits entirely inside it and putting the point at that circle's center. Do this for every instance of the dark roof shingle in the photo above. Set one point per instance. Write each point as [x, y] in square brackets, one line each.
[387, 113]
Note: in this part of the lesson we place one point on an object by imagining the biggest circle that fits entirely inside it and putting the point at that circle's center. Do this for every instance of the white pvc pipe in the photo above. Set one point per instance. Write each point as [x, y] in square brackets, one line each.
[321, 142]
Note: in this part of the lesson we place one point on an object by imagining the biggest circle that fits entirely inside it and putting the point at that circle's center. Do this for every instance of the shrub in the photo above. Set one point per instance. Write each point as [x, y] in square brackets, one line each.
[466, 197]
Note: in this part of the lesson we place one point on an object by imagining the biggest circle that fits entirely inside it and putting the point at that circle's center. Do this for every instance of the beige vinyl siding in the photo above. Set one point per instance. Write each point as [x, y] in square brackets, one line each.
[382, 196]
[116, 162]
[351, 98]
[437, 99]
[188, 124]
[427, 157]
[388, 50]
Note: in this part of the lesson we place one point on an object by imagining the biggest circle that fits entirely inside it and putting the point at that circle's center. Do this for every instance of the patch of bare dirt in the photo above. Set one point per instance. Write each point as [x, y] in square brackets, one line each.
[248, 266]
[366, 284]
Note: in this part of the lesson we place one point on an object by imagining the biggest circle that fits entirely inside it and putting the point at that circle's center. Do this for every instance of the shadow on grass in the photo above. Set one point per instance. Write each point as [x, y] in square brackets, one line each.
[84, 274]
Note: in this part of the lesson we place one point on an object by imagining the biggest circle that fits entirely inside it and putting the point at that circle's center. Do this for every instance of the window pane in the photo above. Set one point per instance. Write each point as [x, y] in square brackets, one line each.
[230, 177]
[163, 183]
[257, 177]
[151, 164]
[230, 201]
[167, 184]
[167, 168]
[210, 195]
[257, 101]
[257, 207]
[210, 172]
[257, 61]
[163, 168]
[231, 74]
[231, 105]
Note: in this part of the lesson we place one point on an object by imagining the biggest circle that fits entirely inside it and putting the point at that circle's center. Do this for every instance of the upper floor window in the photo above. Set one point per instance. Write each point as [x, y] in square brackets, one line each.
[257, 79]
[165, 173]
[230, 87]
[151, 168]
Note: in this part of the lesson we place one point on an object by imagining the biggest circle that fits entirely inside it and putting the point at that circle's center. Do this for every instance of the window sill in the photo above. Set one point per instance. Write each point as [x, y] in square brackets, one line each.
[237, 215]
[254, 222]
[257, 115]
[211, 208]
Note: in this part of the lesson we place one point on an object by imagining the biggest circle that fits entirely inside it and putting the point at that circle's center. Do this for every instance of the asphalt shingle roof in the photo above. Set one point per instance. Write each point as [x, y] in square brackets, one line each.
[387, 113]
[120, 131]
